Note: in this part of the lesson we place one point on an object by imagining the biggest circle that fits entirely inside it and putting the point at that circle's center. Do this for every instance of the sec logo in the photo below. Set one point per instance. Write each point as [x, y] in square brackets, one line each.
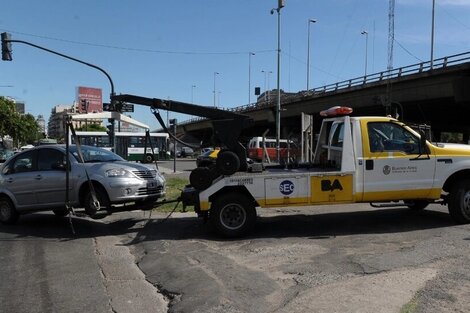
[286, 187]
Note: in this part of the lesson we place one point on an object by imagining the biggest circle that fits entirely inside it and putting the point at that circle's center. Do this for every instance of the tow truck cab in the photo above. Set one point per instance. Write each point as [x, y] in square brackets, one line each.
[357, 159]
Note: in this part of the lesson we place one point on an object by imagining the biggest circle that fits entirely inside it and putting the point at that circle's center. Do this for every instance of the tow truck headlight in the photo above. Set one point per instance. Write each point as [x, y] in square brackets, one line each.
[117, 172]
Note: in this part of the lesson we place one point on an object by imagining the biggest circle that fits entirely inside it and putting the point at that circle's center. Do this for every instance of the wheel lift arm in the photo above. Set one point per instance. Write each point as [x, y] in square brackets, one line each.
[227, 125]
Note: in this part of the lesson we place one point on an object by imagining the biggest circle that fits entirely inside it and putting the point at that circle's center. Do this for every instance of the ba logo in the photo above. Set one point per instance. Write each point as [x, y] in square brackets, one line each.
[286, 187]
[327, 185]
[387, 169]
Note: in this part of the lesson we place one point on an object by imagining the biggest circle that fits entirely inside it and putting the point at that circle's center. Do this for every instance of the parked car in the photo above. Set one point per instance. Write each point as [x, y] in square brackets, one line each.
[204, 150]
[5, 154]
[185, 152]
[35, 180]
[207, 159]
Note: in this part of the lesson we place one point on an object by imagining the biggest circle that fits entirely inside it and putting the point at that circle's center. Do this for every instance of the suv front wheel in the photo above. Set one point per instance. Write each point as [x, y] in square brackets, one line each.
[8, 213]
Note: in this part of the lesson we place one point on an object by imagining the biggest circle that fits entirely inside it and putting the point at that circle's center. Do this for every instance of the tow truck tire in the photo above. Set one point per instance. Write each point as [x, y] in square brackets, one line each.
[227, 162]
[459, 202]
[417, 205]
[8, 213]
[232, 215]
[201, 178]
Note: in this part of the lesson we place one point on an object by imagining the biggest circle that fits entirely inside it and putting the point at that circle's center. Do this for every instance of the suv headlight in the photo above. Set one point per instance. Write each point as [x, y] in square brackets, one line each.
[118, 172]
[160, 177]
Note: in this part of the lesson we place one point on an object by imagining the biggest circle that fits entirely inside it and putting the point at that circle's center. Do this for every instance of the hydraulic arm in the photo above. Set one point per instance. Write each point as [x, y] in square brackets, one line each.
[227, 127]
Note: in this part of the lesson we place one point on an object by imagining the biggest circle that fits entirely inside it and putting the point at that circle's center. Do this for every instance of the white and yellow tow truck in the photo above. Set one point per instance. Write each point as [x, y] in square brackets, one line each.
[377, 160]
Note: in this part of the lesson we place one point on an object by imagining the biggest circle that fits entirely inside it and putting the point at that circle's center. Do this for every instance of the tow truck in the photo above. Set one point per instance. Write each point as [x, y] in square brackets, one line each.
[358, 159]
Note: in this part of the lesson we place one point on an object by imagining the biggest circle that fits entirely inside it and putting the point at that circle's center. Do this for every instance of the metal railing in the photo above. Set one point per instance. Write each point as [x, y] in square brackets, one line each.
[358, 81]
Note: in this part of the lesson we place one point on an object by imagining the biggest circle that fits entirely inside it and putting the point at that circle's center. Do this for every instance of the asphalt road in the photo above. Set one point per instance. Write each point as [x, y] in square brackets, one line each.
[332, 259]
[341, 258]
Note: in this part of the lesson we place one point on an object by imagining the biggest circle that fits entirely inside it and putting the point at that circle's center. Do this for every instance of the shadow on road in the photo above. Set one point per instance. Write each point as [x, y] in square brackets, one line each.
[314, 226]
[49, 226]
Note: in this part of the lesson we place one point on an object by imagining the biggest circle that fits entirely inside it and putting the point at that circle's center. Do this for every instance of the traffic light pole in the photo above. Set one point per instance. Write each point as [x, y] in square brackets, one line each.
[7, 56]
[67, 57]
[173, 122]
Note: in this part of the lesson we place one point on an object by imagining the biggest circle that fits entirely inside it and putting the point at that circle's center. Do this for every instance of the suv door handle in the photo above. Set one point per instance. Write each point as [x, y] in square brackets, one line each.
[38, 177]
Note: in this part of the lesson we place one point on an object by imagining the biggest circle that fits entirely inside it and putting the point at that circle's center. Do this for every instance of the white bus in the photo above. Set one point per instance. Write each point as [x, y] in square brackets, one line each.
[129, 145]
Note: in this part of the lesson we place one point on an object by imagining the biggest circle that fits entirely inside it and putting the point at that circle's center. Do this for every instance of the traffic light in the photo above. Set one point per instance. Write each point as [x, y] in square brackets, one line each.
[6, 47]
[110, 127]
[173, 123]
[110, 130]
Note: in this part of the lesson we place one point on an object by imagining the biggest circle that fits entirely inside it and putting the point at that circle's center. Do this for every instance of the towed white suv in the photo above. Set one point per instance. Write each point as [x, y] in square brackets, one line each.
[35, 180]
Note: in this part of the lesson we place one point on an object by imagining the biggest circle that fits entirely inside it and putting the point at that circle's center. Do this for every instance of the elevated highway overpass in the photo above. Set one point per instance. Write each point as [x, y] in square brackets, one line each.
[439, 97]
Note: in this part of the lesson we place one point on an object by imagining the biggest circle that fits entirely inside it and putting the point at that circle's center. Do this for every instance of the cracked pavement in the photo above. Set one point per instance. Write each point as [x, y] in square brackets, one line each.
[349, 258]
[341, 258]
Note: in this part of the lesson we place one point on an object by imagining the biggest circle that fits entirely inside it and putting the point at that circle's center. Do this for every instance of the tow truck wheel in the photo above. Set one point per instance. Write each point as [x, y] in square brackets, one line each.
[232, 215]
[201, 178]
[227, 162]
[459, 202]
[8, 213]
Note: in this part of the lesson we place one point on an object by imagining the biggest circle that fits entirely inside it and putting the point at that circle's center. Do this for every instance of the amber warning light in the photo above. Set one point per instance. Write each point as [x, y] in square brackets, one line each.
[337, 110]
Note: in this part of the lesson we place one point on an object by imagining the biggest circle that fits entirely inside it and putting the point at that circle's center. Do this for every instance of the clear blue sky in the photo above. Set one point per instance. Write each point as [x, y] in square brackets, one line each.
[160, 49]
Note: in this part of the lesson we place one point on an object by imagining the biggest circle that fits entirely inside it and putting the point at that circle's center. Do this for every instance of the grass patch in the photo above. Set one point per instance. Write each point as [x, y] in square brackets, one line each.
[410, 307]
[174, 186]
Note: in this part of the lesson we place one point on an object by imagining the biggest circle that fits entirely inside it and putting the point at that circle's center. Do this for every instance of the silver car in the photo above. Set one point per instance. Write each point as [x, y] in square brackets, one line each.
[35, 180]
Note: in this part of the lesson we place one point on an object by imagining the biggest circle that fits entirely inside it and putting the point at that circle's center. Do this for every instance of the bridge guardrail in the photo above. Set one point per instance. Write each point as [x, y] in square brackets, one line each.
[361, 80]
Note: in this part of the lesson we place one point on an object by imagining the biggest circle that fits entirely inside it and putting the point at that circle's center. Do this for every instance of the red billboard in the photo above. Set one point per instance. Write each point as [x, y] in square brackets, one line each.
[90, 100]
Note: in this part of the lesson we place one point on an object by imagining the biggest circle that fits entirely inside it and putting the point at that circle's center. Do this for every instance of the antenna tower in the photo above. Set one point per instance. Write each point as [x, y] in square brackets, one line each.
[391, 39]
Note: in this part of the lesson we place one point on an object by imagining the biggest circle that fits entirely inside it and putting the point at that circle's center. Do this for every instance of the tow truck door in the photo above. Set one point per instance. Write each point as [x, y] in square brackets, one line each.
[393, 167]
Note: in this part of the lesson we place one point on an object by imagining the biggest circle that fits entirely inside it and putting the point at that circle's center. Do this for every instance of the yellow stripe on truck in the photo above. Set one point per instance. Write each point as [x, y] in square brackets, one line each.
[433, 194]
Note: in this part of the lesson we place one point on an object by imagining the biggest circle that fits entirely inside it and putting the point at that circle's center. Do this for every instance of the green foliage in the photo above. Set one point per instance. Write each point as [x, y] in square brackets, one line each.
[174, 186]
[410, 307]
[93, 128]
[22, 128]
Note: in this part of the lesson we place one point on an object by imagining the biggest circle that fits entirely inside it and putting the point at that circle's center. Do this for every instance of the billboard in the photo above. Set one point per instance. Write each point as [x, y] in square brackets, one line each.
[90, 100]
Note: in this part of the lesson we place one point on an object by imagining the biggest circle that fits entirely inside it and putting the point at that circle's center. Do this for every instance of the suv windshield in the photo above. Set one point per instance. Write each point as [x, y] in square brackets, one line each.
[93, 154]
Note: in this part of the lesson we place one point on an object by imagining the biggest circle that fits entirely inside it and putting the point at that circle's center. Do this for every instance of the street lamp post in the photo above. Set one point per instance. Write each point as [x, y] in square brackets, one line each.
[266, 84]
[310, 21]
[215, 73]
[364, 32]
[192, 93]
[249, 76]
[278, 105]
[432, 35]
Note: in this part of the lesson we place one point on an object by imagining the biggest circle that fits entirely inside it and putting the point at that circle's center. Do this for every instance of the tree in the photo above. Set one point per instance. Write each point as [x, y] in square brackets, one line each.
[93, 128]
[22, 128]
[8, 117]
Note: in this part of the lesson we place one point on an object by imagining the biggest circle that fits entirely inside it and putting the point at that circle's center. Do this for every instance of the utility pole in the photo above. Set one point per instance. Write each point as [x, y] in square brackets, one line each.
[280, 5]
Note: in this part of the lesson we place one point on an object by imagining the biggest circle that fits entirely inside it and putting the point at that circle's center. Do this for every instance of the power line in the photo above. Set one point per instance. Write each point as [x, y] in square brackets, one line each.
[139, 49]
[407, 51]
